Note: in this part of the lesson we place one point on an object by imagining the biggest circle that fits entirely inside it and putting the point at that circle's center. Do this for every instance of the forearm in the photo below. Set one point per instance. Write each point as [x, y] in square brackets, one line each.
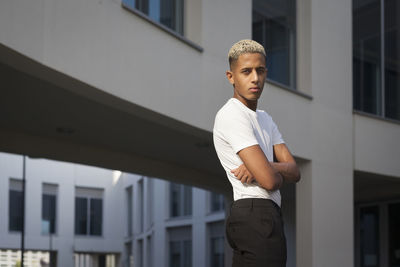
[288, 170]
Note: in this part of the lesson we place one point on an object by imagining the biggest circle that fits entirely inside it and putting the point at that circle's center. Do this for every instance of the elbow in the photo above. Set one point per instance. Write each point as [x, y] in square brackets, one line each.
[273, 184]
[298, 176]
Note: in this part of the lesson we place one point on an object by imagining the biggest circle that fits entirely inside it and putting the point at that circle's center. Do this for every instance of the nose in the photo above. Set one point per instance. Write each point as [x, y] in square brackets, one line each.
[254, 76]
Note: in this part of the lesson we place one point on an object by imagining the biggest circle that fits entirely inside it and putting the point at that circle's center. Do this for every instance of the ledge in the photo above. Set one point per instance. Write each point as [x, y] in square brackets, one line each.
[280, 85]
[374, 116]
[162, 27]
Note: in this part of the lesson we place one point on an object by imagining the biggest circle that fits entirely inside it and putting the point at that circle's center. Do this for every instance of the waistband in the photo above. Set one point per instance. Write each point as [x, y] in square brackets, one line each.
[255, 202]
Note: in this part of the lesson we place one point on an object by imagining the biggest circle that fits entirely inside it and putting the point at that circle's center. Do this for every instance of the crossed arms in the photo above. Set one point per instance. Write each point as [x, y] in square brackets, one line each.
[269, 175]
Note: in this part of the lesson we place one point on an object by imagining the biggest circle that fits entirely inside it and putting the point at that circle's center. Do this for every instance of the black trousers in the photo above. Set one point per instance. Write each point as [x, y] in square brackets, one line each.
[254, 230]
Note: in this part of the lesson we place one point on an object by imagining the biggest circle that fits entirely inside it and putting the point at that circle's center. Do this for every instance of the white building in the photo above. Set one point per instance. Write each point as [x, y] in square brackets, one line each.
[86, 216]
[134, 85]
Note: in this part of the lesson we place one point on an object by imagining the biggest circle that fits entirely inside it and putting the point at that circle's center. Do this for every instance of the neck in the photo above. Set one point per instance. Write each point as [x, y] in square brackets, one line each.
[251, 104]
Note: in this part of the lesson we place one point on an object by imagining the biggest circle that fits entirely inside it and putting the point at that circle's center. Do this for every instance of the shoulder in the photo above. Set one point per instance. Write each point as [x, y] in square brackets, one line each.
[229, 111]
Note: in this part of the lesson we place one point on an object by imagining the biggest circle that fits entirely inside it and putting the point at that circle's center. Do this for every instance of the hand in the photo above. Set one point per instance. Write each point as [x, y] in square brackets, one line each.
[243, 174]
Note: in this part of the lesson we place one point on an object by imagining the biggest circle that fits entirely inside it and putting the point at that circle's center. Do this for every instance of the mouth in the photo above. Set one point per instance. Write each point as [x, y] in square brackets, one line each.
[255, 89]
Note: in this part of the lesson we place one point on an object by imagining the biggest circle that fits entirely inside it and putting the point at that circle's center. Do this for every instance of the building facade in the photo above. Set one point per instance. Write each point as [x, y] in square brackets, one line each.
[134, 85]
[84, 216]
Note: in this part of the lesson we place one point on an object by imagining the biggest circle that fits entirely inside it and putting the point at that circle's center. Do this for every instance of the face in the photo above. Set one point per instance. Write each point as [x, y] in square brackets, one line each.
[247, 75]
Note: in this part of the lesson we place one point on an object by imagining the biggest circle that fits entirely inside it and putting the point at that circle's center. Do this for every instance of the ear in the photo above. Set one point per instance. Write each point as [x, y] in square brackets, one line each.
[230, 77]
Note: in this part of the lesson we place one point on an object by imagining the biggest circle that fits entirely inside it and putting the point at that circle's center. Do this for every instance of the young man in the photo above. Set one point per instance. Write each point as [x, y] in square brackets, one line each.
[247, 140]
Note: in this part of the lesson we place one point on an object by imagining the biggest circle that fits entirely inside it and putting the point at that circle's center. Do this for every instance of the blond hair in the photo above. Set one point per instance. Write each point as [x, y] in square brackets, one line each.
[242, 47]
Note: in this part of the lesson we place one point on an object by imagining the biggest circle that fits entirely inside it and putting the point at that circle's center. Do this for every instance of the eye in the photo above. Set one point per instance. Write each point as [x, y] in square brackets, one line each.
[261, 70]
[246, 71]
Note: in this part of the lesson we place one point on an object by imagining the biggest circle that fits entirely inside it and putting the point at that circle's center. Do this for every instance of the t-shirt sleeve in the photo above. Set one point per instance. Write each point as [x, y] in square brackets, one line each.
[276, 135]
[236, 129]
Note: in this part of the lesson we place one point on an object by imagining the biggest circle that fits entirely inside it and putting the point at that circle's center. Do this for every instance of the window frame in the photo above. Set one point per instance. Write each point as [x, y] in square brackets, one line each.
[88, 216]
[381, 109]
[175, 34]
[292, 59]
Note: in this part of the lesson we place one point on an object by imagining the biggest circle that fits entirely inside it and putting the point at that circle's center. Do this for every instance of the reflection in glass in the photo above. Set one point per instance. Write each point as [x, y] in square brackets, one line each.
[274, 26]
[367, 56]
[392, 59]
[369, 236]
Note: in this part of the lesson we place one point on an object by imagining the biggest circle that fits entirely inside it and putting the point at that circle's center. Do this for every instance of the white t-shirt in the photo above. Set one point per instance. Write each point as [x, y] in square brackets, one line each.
[237, 127]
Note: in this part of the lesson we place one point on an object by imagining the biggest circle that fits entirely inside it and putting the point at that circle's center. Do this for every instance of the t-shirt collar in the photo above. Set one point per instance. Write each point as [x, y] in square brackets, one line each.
[244, 107]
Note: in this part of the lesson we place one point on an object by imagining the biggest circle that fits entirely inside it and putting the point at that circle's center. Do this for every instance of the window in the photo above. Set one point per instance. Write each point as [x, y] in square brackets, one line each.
[129, 210]
[167, 12]
[394, 234]
[180, 246]
[376, 57]
[216, 244]
[274, 26]
[49, 198]
[369, 236]
[141, 204]
[15, 205]
[129, 257]
[88, 211]
[149, 251]
[180, 200]
[217, 202]
[139, 258]
[150, 201]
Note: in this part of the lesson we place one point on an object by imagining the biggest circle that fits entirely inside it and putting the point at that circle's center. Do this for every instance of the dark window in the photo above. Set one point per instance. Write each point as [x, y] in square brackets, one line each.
[376, 62]
[48, 214]
[217, 202]
[96, 215]
[181, 200]
[180, 253]
[167, 12]
[369, 236]
[392, 59]
[394, 234]
[274, 26]
[81, 216]
[15, 210]
[217, 251]
[88, 223]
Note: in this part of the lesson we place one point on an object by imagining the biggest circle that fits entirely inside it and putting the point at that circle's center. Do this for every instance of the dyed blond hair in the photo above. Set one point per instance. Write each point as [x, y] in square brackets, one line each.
[242, 47]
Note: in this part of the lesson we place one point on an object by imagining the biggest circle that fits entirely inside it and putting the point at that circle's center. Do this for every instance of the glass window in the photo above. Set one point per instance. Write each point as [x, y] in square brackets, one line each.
[149, 251]
[217, 252]
[216, 244]
[129, 210]
[48, 214]
[394, 234]
[139, 258]
[274, 26]
[376, 63]
[15, 204]
[49, 201]
[392, 59]
[167, 12]
[369, 236]
[81, 216]
[180, 246]
[88, 211]
[96, 215]
[367, 56]
[141, 204]
[217, 202]
[180, 200]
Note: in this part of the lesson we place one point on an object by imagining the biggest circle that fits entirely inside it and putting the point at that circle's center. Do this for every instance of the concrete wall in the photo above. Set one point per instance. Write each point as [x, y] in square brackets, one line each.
[67, 176]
